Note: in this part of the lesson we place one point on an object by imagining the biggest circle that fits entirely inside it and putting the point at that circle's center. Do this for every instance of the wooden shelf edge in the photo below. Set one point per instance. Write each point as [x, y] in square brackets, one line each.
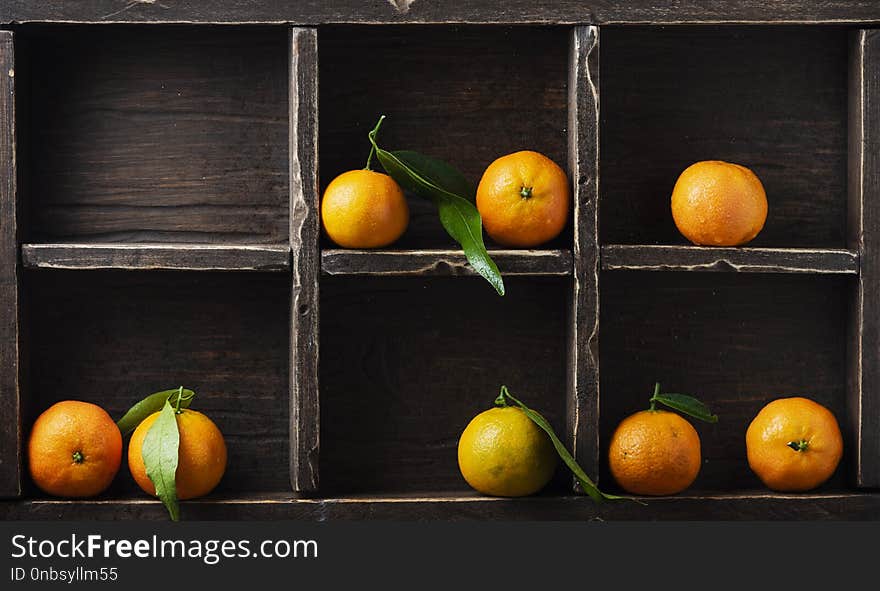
[142, 257]
[624, 257]
[424, 263]
[716, 507]
[474, 12]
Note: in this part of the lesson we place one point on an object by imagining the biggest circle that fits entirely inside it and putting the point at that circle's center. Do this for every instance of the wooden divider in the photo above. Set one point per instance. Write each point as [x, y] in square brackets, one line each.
[304, 235]
[10, 429]
[583, 135]
[863, 379]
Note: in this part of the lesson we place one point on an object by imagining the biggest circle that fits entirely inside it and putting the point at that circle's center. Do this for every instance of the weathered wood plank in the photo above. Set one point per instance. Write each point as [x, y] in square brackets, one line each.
[182, 257]
[10, 429]
[315, 12]
[622, 257]
[132, 142]
[863, 382]
[583, 342]
[442, 262]
[746, 506]
[305, 228]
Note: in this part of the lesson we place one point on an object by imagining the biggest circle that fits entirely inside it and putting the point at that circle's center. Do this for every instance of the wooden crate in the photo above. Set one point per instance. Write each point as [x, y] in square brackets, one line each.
[159, 226]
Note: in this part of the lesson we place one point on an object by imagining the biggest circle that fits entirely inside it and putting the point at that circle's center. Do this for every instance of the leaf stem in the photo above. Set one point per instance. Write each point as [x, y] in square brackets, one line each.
[372, 137]
[501, 400]
[653, 400]
[177, 410]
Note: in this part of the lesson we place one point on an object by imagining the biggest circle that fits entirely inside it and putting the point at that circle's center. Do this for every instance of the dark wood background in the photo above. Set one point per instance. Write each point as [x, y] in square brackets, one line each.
[138, 137]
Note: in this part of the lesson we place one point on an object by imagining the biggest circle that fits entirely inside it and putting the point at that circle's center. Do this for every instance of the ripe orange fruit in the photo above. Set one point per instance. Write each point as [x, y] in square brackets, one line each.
[794, 444]
[717, 203]
[503, 453]
[523, 199]
[74, 450]
[654, 452]
[364, 209]
[201, 455]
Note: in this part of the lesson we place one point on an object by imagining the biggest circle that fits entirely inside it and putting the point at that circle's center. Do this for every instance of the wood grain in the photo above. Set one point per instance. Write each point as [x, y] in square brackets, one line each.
[746, 506]
[10, 431]
[113, 337]
[735, 341]
[510, 97]
[304, 232]
[864, 191]
[624, 257]
[772, 99]
[315, 12]
[406, 363]
[159, 135]
[582, 405]
[181, 257]
[442, 262]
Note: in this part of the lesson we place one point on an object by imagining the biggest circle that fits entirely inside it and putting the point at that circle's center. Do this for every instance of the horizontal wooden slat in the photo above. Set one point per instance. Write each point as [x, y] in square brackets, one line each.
[185, 257]
[622, 257]
[738, 507]
[315, 12]
[442, 262]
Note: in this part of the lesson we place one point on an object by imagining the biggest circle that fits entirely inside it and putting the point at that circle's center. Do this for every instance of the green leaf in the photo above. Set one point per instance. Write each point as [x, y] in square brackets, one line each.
[438, 173]
[505, 398]
[149, 405]
[459, 216]
[160, 451]
[686, 404]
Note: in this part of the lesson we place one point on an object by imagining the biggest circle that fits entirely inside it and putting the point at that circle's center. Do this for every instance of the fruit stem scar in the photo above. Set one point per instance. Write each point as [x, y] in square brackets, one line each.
[78, 457]
[525, 192]
[800, 445]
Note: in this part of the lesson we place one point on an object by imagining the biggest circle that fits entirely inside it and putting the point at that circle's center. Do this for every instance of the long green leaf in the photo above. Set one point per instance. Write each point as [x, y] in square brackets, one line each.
[438, 173]
[149, 405]
[160, 449]
[459, 216]
[686, 404]
[505, 398]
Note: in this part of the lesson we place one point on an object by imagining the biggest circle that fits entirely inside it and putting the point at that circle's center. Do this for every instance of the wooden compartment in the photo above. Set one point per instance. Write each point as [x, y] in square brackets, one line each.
[113, 337]
[140, 137]
[405, 366]
[466, 95]
[159, 220]
[773, 99]
[736, 341]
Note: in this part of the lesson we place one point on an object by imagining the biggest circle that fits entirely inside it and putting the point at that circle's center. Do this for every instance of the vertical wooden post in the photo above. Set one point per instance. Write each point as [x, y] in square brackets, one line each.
[10, 428]
[583, 166]
[863, 381]
[304, 235]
